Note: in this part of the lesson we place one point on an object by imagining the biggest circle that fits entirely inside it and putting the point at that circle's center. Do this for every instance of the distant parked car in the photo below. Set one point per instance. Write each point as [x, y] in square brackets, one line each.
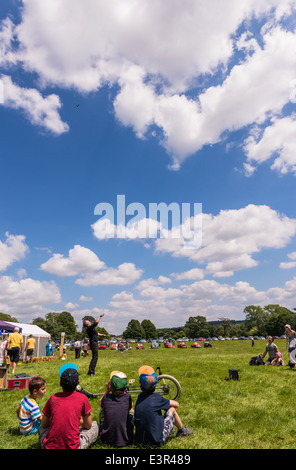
[201, 339]
[182, 345]
[195, 345]
[102, 346]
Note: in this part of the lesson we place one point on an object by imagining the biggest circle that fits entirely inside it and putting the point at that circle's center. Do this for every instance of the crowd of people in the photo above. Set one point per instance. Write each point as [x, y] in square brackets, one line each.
[66, 422]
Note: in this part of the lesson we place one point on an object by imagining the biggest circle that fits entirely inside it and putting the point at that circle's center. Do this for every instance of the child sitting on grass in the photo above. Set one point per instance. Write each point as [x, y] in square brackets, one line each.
[278, 361]
[116, 416]
[153, 428]
[28, 411]
[64, 413]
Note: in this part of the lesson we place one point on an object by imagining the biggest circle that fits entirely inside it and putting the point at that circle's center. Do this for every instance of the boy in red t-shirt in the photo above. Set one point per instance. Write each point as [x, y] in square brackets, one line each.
[64, 413]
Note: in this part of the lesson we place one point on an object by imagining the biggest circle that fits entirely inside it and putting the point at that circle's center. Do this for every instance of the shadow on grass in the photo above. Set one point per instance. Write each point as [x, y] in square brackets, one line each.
[32, 440]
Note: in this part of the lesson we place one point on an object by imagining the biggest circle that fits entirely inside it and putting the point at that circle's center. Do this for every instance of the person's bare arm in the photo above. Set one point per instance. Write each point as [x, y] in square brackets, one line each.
[174, 404]
[86, 422]
[45, 421]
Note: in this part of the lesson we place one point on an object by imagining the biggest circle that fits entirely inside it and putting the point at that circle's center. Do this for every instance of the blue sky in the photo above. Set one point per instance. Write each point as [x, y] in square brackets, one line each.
[159, 105]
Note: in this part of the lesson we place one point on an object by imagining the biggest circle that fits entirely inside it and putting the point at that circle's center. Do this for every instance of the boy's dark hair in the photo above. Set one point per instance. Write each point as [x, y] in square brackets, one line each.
[36, 383]
[69, 380]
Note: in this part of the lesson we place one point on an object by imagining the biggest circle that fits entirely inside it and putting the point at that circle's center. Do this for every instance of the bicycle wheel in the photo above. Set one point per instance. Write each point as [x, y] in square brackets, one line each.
[168, 386]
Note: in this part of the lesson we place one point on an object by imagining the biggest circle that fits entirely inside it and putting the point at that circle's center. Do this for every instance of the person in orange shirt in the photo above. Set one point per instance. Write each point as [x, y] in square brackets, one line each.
[15, 347]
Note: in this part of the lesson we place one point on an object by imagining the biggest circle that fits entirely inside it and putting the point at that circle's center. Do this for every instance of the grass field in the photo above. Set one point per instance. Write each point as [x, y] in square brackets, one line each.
[256, 412]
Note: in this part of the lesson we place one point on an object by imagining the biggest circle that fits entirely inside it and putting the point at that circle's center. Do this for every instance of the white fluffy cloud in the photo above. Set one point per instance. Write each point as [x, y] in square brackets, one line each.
[167, 307]
[125, 273]
[278, 140]
[12, 249]
[289, 264]
[231, 238]
[43, 112]
[80, 260]
[27, 296]
[89, 45]
[83, 262]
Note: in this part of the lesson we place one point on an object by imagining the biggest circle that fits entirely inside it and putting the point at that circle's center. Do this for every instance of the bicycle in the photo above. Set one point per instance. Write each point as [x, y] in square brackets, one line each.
[167, 386]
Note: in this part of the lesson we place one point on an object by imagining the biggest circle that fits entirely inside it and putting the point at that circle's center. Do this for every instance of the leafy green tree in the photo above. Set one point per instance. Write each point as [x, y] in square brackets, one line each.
[226, 325]
[7, 318]
[257, 317]
[52, 325]
[179, 334]
[197, 326]
[67, 324]
[41, 323]
[278, 318]
[150, 329]
[134, 330]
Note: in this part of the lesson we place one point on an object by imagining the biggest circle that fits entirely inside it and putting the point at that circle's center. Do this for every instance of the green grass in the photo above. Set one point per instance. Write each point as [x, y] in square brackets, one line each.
[256, 412]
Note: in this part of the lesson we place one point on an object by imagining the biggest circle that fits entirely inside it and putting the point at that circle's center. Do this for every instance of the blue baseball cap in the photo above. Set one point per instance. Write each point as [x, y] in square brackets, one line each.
[69, 365]
[148, 377]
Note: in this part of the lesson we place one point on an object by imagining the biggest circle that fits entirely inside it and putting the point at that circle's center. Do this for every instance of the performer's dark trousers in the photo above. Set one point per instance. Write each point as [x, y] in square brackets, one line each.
[94, 359]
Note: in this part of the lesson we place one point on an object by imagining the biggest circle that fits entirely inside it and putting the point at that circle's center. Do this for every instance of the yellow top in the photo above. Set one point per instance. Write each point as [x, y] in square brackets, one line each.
[31, 343]
[15, 340]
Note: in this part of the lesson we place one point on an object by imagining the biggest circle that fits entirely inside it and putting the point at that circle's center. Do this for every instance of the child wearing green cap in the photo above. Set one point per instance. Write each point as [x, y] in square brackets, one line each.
[116, 416]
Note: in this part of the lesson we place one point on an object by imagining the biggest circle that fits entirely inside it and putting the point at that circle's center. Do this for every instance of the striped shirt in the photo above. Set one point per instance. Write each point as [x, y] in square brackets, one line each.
[29, 413]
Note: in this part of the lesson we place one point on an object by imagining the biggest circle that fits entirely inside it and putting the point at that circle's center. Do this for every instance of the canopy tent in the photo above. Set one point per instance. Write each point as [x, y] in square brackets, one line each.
[9, 326]
[41, 337]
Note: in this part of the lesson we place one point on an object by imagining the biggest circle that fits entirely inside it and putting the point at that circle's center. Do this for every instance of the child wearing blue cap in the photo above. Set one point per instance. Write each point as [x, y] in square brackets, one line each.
[66, 417]
[152, 427]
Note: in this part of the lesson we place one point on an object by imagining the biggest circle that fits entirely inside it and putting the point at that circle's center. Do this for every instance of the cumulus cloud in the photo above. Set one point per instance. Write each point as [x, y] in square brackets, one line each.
[231, 238]
[43, 112]
[83, 262]
[277, 141]
[125, 273]
[80, 260]
[27, 296]
[12, 249]
[167, 307]
[97, 43]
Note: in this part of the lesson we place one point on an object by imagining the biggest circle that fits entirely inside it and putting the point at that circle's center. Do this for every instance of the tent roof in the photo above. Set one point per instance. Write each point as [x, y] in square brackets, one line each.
[4, 325]
[31, 329]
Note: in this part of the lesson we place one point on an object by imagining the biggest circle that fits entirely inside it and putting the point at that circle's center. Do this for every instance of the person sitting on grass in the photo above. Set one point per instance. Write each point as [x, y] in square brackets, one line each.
[116, 415]
[271, 348]
[278, 361]
[28, 411]
[153, 428]
[64, 413]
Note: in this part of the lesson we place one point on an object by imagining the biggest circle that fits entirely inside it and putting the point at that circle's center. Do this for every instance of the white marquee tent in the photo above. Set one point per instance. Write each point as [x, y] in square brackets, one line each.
[41, 337]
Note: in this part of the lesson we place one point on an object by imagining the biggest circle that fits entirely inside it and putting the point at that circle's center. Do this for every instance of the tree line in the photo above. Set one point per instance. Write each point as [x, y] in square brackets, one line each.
[260, 321]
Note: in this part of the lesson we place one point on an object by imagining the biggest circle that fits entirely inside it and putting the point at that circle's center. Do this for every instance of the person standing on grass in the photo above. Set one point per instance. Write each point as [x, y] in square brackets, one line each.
[93, 342]
[30, 346]
[290, 338]
[15, 347]
[77, 348]
[271, 349]
[48, 348]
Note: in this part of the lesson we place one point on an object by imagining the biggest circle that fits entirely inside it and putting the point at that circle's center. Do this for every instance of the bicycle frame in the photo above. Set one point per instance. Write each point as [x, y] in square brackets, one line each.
[162, 387]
